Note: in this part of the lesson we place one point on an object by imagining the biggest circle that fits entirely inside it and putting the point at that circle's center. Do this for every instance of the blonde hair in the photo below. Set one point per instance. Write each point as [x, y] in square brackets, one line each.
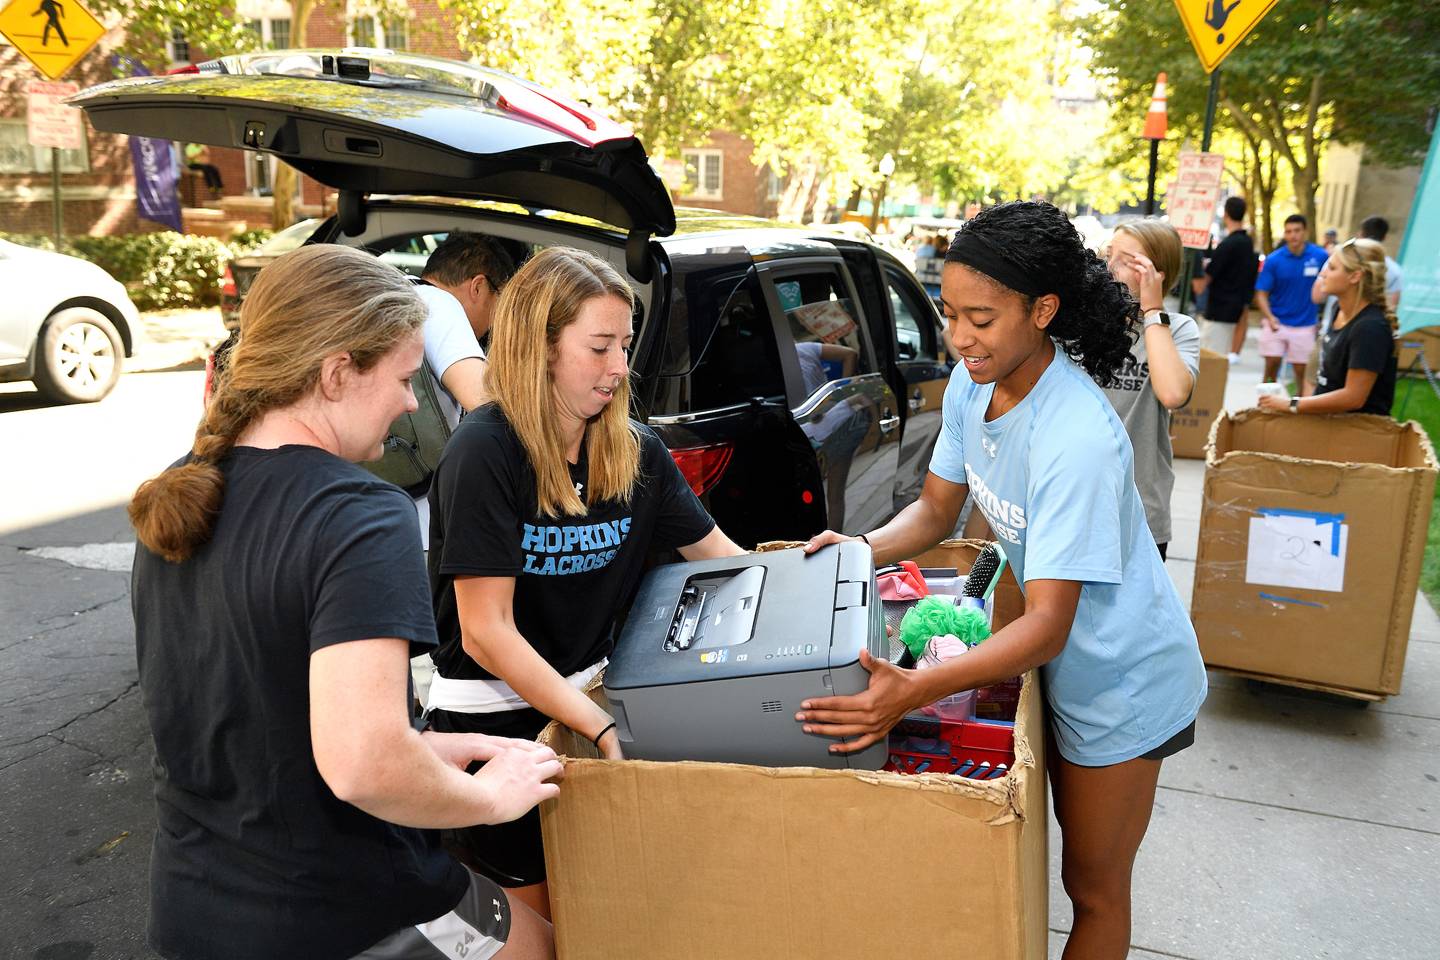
[1368, 257]
[542, 299]
[1161, 244]
[307, 305]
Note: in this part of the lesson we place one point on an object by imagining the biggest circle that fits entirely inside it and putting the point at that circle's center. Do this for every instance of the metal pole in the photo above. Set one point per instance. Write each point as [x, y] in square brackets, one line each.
[1192, 262]
[1150, 189]
[55, 194]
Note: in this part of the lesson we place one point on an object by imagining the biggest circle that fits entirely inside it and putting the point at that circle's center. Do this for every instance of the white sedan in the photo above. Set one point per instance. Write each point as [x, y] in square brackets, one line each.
[65, 324]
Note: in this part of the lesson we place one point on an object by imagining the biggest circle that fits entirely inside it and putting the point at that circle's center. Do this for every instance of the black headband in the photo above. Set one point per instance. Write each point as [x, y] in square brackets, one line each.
[974, 251]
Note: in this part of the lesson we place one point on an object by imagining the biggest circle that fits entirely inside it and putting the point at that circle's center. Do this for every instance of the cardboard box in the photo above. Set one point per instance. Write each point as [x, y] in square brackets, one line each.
[1190, 425]
[1312, 534]
[1409, 347]
[712, 861]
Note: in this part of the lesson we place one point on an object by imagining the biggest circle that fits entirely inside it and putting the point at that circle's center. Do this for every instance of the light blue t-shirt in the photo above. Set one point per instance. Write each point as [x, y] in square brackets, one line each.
[1054, 476]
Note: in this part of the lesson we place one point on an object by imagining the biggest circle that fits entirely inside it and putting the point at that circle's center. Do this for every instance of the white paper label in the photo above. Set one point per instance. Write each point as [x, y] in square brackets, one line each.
[1293, 548]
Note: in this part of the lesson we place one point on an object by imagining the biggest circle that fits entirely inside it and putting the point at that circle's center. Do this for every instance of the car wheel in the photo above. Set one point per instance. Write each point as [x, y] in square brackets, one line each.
[78, 356]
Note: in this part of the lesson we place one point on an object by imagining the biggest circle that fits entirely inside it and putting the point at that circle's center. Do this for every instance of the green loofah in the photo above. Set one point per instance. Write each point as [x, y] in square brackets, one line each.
[933, 617]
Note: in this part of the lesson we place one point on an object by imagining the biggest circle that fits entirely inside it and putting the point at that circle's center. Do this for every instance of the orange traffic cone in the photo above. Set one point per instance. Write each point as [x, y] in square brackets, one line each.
[1156, 121]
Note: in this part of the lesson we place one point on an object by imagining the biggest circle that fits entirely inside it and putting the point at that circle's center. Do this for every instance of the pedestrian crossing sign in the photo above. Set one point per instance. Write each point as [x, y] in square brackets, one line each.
[1217, 26]
[52, 34]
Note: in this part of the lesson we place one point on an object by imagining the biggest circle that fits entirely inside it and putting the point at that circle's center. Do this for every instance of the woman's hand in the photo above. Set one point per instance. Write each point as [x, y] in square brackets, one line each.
[518, 778]
[610, 745]
[867, 716]
[1274, 404]
[1150, 282]
[462, 749]
[824, 539]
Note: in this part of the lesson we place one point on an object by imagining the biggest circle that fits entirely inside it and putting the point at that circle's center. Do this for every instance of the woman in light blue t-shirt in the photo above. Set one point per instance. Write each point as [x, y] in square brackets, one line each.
[1038, 320]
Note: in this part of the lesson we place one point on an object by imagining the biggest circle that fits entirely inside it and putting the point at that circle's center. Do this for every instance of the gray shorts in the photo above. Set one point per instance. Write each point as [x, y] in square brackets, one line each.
[476, 929]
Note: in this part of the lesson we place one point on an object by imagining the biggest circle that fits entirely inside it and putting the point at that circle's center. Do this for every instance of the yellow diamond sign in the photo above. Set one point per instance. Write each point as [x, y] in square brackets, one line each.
[1217, 26]
[52, 34]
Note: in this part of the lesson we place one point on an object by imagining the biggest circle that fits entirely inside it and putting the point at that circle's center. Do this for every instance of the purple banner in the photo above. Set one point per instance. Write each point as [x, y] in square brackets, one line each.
[156, 173]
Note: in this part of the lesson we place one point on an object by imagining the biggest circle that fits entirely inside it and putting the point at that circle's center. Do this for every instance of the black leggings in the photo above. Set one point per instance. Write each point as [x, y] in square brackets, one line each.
[1162, 547]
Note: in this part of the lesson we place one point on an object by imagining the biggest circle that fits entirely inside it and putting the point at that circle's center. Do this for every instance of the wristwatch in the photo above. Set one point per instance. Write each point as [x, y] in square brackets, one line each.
[1155, 316]
[1294, 404]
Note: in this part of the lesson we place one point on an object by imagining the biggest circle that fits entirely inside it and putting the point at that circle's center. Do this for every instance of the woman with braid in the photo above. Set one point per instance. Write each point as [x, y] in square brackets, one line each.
[278, 592]
[1038, 321]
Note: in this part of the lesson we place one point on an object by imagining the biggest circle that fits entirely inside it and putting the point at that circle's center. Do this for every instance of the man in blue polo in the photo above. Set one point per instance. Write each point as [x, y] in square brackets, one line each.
[1282, 294]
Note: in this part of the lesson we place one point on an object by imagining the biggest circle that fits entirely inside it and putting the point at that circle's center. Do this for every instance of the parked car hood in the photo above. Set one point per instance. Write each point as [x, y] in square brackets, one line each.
[373, 122]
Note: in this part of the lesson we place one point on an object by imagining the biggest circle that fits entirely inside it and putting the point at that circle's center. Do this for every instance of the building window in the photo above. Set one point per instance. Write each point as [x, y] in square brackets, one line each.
[18, 156]
[178, 47]
[271, 33]
[704, 171]
[369, 30]
[774, 184]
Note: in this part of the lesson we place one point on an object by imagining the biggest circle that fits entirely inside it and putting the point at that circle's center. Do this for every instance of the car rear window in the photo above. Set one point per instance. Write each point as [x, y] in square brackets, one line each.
[720, 347]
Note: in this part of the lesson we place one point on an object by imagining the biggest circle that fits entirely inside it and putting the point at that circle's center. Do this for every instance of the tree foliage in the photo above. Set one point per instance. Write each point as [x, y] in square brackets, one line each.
[1359, 71]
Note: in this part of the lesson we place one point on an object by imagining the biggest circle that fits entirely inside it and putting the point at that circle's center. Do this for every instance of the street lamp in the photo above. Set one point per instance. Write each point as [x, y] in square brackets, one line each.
[886, 169]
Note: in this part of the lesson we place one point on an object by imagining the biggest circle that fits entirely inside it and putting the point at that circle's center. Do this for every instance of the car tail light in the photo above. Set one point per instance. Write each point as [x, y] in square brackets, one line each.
[703, 466]
[227, 282]
[188, 68]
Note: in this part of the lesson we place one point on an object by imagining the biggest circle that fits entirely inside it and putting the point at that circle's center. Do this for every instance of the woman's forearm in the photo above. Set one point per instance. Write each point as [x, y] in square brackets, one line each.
[912, 531]
[500, 649]
[1171, 380]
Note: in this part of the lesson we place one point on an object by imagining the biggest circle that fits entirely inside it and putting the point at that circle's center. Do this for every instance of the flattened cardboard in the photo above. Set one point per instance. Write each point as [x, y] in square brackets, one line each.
[1410, 346]
[712, 861]
[1365, 485]
[1190, 425]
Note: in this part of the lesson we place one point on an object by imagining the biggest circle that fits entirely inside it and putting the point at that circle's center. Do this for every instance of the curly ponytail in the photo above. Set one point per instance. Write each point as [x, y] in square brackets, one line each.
[1039, 249]
[307, 305]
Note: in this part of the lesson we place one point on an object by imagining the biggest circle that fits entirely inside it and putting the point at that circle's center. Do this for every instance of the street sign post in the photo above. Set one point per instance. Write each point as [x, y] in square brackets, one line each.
[1217, 26]
[50, 123]
[52, 34]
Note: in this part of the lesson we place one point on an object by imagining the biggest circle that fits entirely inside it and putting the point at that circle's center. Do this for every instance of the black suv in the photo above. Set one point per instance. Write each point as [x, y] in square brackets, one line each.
[796, 377]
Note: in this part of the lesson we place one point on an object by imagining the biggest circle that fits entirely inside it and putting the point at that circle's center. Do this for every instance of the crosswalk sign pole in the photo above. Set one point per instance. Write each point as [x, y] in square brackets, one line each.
[55, 204]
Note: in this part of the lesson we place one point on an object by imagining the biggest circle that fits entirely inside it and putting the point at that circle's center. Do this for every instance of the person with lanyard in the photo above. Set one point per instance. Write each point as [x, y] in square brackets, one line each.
[1160, 372]
[545, 507]
[1282, 293]
[1357, 359]
[1027, 433]
[277, 592]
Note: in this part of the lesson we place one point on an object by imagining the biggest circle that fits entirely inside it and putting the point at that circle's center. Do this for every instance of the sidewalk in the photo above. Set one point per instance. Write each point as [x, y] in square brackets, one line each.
[176, 339]
[1299, 825]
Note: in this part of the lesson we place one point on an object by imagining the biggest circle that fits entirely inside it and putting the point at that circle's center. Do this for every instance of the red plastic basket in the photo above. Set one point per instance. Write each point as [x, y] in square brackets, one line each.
[967, 748]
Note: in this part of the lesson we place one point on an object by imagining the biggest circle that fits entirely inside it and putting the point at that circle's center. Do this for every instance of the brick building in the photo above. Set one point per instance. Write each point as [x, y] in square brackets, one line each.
[98, 187]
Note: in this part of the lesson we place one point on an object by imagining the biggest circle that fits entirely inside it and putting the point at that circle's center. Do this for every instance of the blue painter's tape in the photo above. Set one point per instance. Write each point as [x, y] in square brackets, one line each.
[1278, 599]
[1333, 520]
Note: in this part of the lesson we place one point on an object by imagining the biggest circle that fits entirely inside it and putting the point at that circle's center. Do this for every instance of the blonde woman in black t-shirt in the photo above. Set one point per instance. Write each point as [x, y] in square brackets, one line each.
[1357, 357]
[278, 593]
[543, 510]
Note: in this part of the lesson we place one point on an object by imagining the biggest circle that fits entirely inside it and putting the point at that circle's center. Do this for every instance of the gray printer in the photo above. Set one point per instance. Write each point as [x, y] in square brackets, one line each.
[717, 655]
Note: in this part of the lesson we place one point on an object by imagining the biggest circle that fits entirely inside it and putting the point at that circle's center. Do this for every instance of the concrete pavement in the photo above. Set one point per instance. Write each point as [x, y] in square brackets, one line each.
[1300, 825]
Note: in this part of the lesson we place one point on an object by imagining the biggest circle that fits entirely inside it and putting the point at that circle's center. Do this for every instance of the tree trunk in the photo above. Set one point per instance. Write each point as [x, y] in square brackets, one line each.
[856, 196]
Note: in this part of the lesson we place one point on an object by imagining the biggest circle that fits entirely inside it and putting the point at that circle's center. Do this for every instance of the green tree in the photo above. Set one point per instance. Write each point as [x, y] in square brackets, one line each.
[1308, 72]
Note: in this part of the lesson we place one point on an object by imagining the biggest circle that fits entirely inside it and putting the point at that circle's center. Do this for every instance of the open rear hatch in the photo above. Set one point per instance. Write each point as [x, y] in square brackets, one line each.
[371, 121]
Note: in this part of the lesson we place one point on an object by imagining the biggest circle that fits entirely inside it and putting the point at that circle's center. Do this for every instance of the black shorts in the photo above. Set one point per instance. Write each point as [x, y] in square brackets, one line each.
[1224, 311]
[511, 853]
[1174, 745]
[476, 928]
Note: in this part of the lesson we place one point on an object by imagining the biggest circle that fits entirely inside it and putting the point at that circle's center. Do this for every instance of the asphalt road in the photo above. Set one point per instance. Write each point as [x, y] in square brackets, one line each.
[76, 816]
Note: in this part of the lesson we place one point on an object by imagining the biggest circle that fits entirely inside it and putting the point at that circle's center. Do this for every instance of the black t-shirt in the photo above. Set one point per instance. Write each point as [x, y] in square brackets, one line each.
[254, 856]
[573, 575]
[1365, 343]
[1232, 270]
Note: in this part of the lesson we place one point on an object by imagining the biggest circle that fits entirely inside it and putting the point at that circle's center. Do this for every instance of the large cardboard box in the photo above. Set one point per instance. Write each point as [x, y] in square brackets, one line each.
[1409, 347]
[712, 861]
[1312, 534]
[1190, 425]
